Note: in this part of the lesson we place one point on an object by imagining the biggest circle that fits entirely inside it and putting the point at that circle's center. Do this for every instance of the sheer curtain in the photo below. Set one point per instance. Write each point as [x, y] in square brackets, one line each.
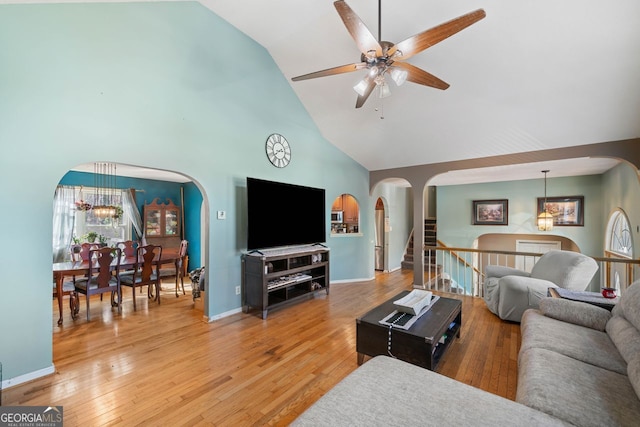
[63, 218]
[130, 209]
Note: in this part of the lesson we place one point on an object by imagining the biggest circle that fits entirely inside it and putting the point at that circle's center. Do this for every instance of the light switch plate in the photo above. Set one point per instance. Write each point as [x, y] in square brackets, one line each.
[222, 215]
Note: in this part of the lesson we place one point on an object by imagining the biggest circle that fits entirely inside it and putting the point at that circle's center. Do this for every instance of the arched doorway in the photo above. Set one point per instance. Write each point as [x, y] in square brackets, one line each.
[144, 185]
[381, 239]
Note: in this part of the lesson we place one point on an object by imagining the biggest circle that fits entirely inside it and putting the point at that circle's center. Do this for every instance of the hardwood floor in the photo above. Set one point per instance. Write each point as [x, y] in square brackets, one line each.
[162, 365]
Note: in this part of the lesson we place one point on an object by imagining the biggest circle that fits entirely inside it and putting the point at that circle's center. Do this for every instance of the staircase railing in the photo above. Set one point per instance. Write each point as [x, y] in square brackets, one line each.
[462, 270]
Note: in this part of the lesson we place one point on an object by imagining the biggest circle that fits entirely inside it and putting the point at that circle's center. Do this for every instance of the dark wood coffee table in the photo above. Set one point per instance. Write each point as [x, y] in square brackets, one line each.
[423, 344]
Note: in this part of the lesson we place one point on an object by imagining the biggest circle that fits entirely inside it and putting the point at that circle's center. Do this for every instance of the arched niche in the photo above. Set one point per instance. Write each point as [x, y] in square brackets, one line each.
[345, 215]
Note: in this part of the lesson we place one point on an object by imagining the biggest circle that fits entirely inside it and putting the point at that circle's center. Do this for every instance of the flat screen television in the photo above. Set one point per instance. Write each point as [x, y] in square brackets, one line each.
[282, 214]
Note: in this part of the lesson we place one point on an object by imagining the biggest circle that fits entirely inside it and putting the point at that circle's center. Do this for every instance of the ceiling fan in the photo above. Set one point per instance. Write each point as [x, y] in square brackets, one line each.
[383, 58]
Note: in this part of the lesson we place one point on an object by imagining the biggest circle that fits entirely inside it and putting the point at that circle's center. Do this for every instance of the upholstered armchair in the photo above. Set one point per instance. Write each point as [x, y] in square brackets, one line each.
[508, 292]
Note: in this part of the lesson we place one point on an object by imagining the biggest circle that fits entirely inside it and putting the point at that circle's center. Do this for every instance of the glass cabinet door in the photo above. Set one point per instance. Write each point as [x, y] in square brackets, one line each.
[171, 222]
[152, 222]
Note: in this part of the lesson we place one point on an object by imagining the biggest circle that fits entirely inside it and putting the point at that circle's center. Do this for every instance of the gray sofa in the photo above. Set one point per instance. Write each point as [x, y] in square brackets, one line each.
[578, 365]
[508, 292]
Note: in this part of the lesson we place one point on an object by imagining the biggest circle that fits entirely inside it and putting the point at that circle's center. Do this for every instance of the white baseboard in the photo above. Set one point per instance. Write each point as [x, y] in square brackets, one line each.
[28, 377]
[222, 315]
[337, 282]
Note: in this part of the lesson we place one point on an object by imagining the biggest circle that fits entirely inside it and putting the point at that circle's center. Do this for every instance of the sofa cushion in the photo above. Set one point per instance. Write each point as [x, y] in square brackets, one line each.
[567, 269]
[633, 372]
[578, 342]
[625, 337]
[577, 392]
[579, 313]
[386, 392]
[630, 304]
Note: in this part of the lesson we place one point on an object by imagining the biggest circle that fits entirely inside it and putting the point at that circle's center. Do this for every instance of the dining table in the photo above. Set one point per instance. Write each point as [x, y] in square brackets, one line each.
[81, 268]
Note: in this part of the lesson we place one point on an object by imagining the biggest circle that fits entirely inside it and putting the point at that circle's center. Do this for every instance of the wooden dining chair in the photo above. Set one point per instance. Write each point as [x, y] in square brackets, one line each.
[145, 272]
[178, 267]
[86, 248]
[128, 247]
[100, 279]
[68, 289]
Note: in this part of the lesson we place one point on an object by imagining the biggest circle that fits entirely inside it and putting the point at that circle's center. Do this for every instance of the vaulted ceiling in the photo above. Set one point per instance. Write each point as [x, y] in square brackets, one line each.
[530, 76]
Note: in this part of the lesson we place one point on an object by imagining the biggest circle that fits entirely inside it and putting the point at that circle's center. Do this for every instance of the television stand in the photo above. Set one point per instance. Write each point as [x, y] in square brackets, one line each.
[271, 280]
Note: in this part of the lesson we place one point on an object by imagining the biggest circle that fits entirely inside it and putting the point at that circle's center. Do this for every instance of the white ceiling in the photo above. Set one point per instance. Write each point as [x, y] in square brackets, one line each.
[530, 76]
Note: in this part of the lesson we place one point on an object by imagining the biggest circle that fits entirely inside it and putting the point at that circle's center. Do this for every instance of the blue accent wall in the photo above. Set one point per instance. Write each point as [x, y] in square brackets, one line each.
[147, 190]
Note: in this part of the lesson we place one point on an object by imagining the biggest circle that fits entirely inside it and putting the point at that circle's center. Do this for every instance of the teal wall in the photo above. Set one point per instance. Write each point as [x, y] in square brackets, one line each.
[454, 210]
[163, 85]
[147, 190]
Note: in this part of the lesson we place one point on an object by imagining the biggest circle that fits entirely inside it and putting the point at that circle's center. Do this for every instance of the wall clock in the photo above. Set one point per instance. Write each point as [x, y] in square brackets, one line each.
[278, 150]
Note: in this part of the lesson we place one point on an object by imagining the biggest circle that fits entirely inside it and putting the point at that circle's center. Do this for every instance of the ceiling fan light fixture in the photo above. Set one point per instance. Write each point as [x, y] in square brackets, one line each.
[384, 90]
[361, 87]
[399, 76]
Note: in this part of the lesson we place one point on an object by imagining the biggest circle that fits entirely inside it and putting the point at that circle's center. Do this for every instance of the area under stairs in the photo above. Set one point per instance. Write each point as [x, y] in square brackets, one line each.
[434, 279]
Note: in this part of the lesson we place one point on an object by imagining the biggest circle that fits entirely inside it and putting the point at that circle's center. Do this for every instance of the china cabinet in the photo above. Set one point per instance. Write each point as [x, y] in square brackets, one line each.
[161, 220]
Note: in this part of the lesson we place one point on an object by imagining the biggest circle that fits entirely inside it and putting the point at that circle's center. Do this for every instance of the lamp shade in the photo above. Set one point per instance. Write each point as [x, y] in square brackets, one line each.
[545, 221]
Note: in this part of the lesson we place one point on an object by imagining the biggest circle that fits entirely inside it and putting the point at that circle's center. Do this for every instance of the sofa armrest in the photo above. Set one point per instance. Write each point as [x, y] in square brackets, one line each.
[578, 313]
[518, 293]
[389, 392]
[501, 271]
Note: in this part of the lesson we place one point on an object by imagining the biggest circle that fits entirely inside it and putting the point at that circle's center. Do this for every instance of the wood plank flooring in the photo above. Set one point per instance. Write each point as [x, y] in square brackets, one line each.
[162, 365]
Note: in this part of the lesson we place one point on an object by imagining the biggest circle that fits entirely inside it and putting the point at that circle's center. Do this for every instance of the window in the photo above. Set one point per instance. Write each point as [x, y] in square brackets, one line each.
[619, 235]
[113, 230]
[618, 245]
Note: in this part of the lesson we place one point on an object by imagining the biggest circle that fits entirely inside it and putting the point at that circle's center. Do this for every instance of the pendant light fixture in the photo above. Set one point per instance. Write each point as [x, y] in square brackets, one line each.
[545, 219]
[104, 175]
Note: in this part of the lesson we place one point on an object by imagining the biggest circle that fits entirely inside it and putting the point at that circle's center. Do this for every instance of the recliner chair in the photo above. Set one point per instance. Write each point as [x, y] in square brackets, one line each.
[508, 292]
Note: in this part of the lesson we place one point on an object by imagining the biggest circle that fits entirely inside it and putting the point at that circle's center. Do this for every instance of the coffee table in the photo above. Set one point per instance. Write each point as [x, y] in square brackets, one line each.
[423, 344]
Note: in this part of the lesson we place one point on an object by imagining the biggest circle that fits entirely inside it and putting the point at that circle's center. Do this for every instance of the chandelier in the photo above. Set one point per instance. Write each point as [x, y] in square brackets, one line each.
[104, 202]
[545, 219]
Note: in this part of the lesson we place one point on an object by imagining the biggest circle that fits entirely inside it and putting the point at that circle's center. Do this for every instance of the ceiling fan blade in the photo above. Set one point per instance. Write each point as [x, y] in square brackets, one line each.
[359, 32]
[421, 77]
[371, 84]
[430, 37]
[332, 71]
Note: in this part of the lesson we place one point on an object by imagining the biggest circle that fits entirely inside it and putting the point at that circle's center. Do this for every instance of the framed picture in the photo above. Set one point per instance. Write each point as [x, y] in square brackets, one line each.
[491, 212]
[565, 210]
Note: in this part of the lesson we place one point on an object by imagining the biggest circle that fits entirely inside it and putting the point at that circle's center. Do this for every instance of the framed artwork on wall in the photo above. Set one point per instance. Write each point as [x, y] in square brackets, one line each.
[490, 212]
[566, 211]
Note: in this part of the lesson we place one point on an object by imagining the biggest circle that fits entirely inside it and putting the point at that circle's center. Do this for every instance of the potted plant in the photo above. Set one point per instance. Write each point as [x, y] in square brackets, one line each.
[91, 236]
[103, 240]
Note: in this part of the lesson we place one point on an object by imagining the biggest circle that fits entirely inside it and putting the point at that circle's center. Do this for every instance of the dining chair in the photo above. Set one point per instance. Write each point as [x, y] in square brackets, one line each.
[100, 278]
[145, 272]
[128, 247]
[68, 288]
[85, 248]
[178, 267]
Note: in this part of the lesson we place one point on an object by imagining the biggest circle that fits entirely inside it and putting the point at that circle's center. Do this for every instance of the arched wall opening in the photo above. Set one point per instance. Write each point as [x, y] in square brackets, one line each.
[151, 184]
[396, 197]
